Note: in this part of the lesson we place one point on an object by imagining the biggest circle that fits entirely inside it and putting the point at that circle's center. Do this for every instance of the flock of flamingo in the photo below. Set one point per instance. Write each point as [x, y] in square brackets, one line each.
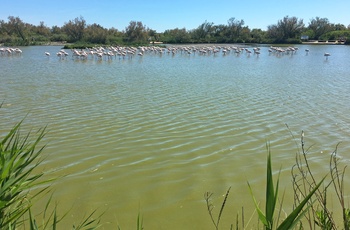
[10, 51]
[129, 52]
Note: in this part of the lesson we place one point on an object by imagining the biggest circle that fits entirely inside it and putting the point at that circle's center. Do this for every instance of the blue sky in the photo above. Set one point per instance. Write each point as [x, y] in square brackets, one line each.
[161, 15]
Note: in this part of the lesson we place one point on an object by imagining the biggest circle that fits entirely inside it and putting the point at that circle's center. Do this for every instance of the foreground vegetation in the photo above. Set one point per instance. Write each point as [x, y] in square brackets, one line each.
[287, 30]
[310, 210]
[20, 155]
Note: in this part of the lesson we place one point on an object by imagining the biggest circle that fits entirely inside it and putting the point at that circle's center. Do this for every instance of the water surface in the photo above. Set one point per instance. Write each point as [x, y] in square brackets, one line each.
[151, 134]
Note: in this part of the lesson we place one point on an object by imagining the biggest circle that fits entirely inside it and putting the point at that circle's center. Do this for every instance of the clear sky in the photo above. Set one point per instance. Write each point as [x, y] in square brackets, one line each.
[161, 15]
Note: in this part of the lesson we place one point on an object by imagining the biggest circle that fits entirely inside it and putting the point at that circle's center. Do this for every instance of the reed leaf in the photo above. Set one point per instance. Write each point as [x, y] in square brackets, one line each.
[293, 218]
[223, 206]
[88, 222]
[32, 222]
[271, 196]
[271, 193]
[139, 222]
[19, 156]
[261, 215]
[271, 199]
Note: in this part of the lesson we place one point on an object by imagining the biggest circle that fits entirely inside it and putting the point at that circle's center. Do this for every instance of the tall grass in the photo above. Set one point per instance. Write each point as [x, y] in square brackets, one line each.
[19, 156]
[303, 178]
[18, 159]
[310, 196]
[210, 207]
[269, 218]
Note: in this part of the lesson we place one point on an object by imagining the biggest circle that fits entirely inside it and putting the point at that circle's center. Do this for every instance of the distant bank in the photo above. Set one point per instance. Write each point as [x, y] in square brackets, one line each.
[330, 42]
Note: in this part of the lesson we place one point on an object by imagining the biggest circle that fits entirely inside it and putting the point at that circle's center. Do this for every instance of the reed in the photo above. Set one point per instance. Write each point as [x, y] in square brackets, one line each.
[303, 179]
[269, 218]
[337, 176]
[18, 159]
[19, 184]
[210, 207]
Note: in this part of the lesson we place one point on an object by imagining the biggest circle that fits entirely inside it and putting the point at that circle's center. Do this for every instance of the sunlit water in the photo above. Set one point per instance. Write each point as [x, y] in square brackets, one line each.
[152, 134]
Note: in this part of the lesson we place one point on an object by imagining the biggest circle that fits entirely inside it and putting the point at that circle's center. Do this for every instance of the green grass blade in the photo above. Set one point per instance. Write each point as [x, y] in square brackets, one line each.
[10, 135]
[222, 206]
[261, 215]
[292, 218]
[271, 196]
[139, 222]
[32, 222]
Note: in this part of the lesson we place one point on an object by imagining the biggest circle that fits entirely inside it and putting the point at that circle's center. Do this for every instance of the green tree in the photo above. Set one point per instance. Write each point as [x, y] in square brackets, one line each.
[75, 29]
[338, 26]
[4, 35]
[114, 36]
[319, 26]
[275, 33]
[234, 28]
[95, 34]
[220, 33]
[57, 34]
[176, 36]
[286, 28]
[257, 36]
[341, 35]
[245, 35]
[40, 33]
[136, 32]
[42, 29]
[17, 29]
[153, 35]
[204, 32]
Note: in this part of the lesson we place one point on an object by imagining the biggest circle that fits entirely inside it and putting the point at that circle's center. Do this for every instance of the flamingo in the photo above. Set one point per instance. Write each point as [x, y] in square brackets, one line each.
[257, 51]
[307, 51]
[249, 52]
[59, 54]
[18, 51]
[99, 55]
[327, 55]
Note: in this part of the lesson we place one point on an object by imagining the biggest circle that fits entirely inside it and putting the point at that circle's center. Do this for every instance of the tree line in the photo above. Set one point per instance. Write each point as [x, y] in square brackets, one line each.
[291, 30]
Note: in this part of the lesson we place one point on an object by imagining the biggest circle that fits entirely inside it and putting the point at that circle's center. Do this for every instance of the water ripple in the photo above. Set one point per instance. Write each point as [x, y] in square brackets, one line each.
[160, 131]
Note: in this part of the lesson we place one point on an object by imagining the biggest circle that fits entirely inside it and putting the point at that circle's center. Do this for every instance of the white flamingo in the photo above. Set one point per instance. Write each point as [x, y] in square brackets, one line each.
[18, 51]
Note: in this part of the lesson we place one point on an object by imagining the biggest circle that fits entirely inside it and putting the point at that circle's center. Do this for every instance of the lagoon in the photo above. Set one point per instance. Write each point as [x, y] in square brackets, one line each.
[151, 134]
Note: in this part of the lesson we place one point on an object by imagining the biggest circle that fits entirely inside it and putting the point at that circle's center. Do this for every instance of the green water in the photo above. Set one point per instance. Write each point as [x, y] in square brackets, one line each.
[151, 134]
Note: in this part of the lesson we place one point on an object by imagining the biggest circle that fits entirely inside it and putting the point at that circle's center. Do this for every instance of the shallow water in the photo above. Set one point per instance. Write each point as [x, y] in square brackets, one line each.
[151, 134]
